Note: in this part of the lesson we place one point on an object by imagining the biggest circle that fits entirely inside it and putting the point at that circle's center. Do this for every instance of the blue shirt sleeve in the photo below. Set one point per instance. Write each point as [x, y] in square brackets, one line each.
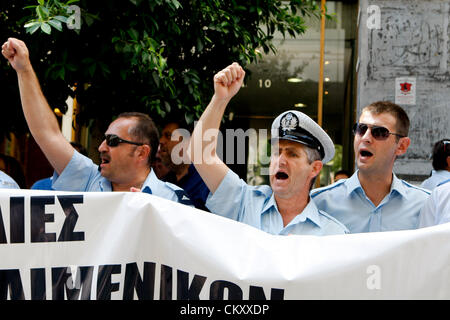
[79, 175]
[228, 199]
[6, 182]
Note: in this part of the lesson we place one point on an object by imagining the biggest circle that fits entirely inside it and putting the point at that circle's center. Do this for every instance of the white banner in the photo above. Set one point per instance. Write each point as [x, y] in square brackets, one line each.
[59, 245]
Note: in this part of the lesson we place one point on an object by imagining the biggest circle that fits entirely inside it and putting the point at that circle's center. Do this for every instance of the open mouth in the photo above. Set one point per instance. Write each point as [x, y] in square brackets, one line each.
[104, 160]
[281, 175]
[365, 153]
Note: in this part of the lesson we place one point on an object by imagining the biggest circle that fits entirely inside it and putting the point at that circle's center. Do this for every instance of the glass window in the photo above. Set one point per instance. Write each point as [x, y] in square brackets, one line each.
[289, 80]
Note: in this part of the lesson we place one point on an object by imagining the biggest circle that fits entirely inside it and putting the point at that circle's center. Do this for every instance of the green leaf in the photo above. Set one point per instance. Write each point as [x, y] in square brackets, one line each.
[62, 73]
[155, 78]
[176, 4]
[167, 105]
[55, 24]
[136, 2]
[41, 2]
[71, 67]
[42, 13]
[60, 18]
[189, 118]
[105, 69]
[133, 34]
[33, 29]
[46, 28]
[92, 69]
[30, 24]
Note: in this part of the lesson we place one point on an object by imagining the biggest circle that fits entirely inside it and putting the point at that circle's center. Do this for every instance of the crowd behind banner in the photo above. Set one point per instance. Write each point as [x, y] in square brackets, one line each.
[187, 169]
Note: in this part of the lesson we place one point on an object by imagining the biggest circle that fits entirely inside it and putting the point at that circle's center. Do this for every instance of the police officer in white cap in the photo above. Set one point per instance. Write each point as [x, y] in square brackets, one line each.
[300, 147]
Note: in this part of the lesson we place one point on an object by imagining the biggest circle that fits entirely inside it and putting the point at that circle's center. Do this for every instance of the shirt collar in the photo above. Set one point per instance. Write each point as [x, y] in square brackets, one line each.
[152, 180]
[310, 212]
[397, 185]
[353, 184]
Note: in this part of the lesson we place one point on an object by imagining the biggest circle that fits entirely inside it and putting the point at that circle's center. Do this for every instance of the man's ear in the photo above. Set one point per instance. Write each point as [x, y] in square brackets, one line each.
[316, 167]
[403, 145]
[144, 151]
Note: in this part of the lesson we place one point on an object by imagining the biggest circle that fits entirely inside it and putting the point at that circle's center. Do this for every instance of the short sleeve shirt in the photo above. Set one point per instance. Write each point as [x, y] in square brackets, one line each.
[437, 177]
[256, 206]
[346, 201]
[81, 174]
[6, 182]
[437, 208]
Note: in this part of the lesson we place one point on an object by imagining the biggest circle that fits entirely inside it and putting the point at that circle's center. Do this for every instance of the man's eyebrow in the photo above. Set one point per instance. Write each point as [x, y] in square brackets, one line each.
[289, 148]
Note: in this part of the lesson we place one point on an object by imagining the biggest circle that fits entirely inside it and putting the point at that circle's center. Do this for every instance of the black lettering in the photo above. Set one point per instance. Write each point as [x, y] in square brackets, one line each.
[165, 291]
[257, 293]
[17, 219]
[62, 278]
[11, 279]
[38, 284]
[144, 288]
[39, 218]
[104, 285]
[2, 229]
[186, 292]
[217, 290]
[67, 233]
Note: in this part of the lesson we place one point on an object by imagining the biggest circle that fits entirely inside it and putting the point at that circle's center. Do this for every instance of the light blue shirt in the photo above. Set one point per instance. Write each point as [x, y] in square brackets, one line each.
[6, 182]
[347, 202]
[437, 208]
[256, 206]
[436, 178]
[81, 174]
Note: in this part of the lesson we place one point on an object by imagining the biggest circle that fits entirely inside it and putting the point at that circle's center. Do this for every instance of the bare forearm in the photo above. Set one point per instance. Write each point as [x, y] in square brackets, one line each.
[40, 118]
[204, 138]
[203, 151]
[38, 114]
[42, 121]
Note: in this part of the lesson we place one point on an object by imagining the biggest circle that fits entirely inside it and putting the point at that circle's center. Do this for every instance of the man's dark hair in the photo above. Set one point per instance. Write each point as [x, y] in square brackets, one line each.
[441, 151]
[144, 131]
[402, 119]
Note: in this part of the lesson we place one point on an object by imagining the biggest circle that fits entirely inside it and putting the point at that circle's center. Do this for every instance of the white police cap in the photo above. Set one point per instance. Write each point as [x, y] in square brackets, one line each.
[296, 126]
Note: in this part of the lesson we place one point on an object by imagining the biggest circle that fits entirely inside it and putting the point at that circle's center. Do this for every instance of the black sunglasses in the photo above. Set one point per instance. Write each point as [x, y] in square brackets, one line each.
[379, 133]
[113, 140]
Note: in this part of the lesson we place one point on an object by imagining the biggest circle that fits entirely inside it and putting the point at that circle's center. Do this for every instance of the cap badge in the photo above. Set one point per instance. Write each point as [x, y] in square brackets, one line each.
[289, 122]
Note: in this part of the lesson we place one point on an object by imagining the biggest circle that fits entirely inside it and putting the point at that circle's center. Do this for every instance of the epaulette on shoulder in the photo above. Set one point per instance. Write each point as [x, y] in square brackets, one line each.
[331, 218]
[443, 182]
[416, 187]
[172, 186]
[318, 191]
[263, 189]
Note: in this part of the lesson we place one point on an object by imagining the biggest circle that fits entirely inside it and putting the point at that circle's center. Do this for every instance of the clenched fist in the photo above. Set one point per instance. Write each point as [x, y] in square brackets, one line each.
[16, 52]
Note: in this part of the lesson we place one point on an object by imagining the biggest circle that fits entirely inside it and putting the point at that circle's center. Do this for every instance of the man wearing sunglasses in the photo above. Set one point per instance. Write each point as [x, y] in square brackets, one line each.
[373, 199]
[299, 149]
[131, 141]
[441, 165]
